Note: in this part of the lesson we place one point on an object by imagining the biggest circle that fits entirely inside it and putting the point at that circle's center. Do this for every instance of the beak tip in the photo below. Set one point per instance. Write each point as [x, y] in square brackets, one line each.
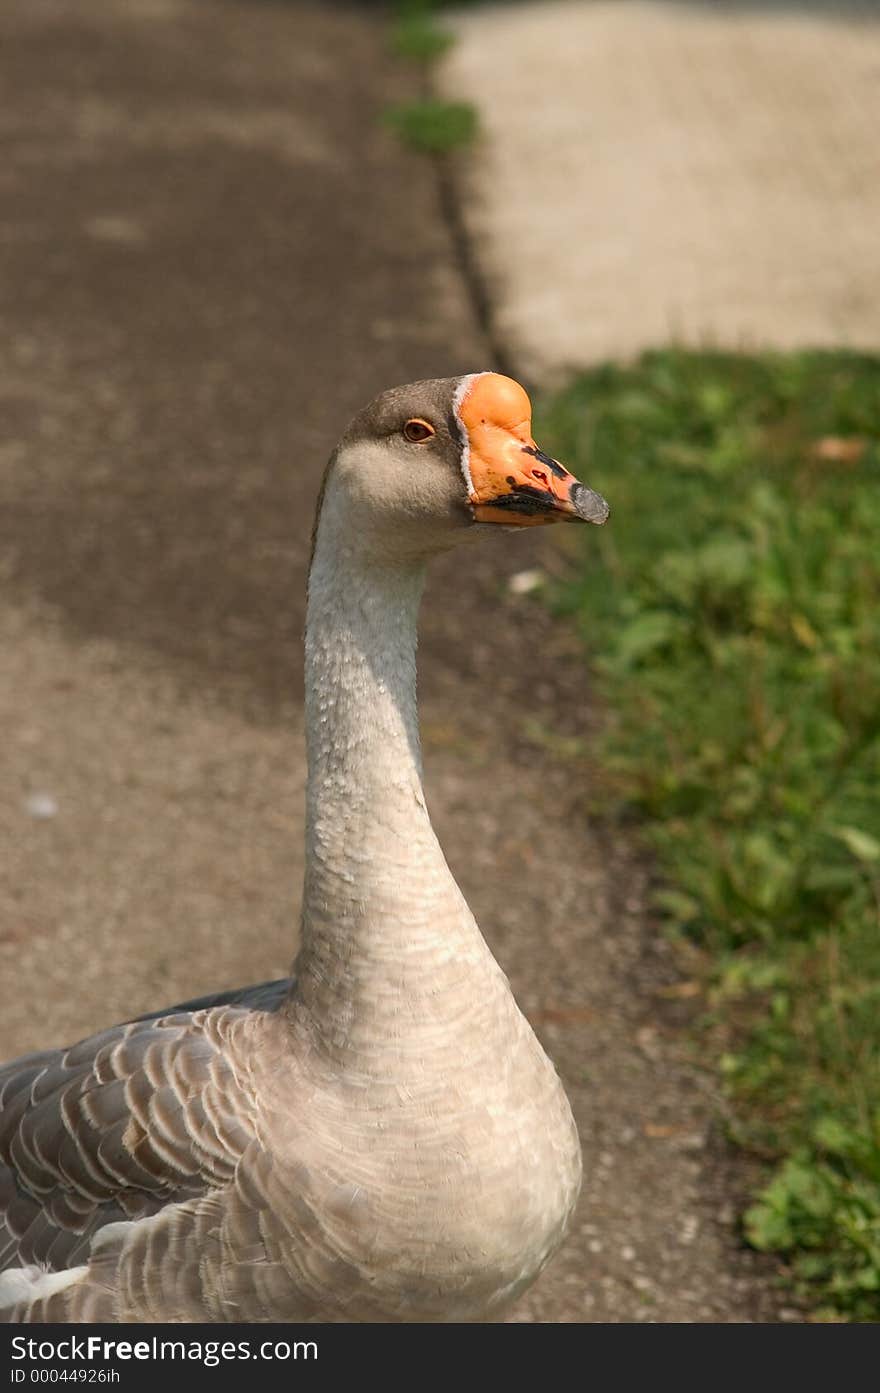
[589, 505]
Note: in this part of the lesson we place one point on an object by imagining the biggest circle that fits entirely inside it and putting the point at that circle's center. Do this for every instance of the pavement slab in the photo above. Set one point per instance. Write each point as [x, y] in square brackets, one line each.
[212, 255]
[654, 171]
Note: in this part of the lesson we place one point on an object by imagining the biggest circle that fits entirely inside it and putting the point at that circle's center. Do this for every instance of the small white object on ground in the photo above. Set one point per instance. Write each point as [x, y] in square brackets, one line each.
[41, 805]
[524, 582]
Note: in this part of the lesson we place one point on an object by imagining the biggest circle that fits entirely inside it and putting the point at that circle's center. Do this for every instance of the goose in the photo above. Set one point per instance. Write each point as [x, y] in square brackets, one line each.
[380, 1137]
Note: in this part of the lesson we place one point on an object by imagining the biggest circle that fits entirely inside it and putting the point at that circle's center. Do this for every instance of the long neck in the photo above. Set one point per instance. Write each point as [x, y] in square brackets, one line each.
[384, 922]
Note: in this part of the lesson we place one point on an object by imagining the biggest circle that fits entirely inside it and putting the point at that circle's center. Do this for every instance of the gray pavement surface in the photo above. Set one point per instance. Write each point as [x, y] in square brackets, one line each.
[673, 169]
[212, 254]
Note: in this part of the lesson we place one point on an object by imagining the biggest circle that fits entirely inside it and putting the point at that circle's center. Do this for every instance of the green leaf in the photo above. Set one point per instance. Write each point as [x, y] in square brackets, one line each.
[651, 631]
[862, 845]
[831, 1134]
[680, 908]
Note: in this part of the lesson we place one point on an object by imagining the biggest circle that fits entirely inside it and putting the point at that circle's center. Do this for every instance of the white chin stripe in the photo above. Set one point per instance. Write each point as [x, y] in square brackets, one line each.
[461, 392]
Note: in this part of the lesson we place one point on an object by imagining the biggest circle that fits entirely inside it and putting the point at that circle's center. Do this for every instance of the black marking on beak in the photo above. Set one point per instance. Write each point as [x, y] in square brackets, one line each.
[524, 499]
[553, 465]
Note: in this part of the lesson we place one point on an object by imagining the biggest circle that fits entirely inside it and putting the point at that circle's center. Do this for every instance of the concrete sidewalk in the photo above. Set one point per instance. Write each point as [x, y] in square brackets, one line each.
[213, 253]
[703, 173]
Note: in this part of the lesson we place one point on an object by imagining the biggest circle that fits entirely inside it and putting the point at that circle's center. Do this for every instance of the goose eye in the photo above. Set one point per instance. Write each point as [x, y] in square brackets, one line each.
[418, 431]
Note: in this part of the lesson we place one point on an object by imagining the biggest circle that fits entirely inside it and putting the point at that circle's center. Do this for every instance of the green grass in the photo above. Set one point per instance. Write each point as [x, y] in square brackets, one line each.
[434, 127]
[732, 612]
[415, 35]
[430, 125]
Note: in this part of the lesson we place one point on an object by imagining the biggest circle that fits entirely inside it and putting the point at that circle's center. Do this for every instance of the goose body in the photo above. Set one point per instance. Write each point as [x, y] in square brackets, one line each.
[381, 1137]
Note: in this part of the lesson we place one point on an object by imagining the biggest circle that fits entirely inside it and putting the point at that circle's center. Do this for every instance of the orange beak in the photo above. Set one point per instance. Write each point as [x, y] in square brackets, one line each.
[509, 479]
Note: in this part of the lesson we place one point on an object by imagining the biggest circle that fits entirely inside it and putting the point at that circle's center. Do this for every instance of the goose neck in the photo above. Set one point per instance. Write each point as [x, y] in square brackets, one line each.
[383, 919]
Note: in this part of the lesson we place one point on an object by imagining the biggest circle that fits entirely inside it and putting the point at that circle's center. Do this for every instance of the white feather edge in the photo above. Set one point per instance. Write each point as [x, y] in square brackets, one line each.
[461, 392]
[31, 1283]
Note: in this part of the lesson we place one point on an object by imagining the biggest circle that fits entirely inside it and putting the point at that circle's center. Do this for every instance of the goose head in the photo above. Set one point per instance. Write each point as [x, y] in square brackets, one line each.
[429, 463]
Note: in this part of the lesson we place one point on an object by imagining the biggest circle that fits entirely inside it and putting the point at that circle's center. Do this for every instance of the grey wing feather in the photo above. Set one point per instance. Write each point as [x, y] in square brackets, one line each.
[121, 1124]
